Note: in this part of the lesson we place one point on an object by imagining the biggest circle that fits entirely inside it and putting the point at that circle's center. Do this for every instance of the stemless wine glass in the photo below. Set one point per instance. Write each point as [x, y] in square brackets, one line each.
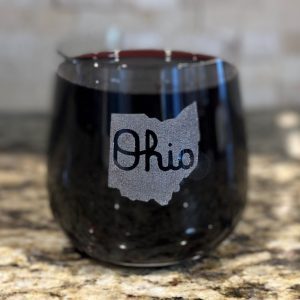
[147, 161]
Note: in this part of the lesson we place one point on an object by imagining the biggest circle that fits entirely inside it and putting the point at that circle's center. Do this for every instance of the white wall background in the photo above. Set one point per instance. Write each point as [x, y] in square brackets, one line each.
[261, 36]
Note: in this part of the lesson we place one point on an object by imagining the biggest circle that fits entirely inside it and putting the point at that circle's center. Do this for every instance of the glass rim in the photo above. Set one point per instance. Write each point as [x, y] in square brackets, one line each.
[172, 58]
[115, 71]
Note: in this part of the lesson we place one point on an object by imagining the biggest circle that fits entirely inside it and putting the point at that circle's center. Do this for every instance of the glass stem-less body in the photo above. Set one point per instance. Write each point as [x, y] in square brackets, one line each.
[113, 228]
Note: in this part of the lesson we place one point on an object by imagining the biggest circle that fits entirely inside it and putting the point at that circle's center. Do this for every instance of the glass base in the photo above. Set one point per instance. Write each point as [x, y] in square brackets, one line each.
[194, 258]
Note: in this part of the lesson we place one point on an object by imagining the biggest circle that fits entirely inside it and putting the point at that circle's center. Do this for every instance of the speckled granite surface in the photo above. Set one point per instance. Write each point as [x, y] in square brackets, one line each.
[261, 260]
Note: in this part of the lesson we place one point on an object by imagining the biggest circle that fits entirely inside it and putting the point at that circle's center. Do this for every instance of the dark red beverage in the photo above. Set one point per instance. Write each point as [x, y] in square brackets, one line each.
[147, 155]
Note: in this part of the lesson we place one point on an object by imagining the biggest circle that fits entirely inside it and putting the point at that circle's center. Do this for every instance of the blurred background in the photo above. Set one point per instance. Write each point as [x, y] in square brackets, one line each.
[262, 37]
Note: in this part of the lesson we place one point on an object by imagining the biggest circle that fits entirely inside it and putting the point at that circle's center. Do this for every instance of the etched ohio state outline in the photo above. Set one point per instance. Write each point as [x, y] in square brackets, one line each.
[149, 158]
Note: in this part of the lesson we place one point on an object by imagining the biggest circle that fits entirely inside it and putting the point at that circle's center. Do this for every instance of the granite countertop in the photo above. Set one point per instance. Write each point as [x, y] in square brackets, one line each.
[261, 260]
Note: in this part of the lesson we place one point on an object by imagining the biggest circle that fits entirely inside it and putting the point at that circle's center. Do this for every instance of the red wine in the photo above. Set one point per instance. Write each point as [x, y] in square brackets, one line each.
[114, 228]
